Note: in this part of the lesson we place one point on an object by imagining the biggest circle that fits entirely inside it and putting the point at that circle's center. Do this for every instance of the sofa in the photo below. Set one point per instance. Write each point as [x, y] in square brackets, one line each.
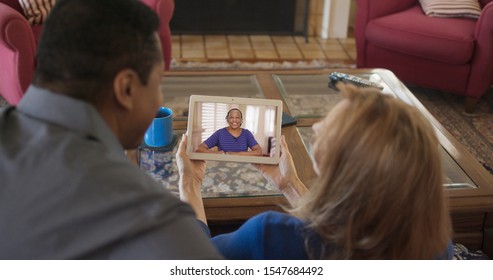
[453, 54]
[18, 41]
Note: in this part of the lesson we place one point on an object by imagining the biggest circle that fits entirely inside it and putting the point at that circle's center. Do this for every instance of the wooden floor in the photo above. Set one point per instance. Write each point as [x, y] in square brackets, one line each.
[255, 48]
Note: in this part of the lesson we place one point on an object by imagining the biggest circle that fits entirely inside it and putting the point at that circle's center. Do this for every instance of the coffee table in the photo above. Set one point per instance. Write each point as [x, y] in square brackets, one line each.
[234, 192]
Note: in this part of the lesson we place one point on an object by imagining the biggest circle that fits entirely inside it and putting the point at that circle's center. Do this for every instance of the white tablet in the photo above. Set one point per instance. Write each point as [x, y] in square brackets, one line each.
[234, 129]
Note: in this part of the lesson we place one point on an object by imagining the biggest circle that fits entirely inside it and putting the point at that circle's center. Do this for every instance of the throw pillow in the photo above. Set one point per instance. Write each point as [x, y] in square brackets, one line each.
[36, 11]
[451, 8]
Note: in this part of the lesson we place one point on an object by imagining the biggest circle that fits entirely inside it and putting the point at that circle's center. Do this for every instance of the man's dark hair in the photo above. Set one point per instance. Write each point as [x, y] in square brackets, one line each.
[85, 43]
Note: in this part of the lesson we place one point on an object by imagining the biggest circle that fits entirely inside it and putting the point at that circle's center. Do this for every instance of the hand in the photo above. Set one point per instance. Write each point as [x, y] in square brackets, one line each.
[187, 168]
[190, 183]
[284, 175]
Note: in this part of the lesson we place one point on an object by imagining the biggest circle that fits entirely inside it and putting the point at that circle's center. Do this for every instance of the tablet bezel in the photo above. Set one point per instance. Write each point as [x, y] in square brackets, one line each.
[195, 99]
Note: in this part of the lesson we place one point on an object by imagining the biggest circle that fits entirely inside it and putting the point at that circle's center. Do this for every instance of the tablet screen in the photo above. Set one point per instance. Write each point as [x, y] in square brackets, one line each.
[234, 129]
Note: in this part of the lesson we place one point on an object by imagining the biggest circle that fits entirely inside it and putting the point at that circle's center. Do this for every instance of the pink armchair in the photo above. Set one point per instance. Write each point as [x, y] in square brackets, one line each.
[164, 9]
[449, 54]
[18, 41]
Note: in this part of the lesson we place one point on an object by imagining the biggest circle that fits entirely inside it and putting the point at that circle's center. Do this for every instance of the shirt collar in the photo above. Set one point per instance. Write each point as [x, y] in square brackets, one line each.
[73, 114]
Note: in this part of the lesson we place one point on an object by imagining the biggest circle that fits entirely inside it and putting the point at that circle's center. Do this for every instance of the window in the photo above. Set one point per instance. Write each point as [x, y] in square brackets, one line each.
[213, 117]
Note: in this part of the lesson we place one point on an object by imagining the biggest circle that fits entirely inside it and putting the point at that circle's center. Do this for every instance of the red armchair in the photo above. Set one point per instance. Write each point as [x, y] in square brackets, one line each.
[449, 54]
[164, 9]
[18, 41]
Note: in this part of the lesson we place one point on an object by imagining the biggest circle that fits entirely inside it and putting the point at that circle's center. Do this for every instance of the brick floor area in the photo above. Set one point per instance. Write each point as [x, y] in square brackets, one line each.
[254, 48]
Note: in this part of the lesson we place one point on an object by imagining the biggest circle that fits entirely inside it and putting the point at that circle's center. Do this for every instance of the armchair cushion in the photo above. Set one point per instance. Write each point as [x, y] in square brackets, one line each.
[36, 11]
[448, 40]
[448, 54]
[451, 8]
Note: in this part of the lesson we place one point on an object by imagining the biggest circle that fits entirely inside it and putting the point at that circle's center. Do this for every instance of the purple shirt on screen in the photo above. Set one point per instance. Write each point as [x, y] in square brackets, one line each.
[228, 143]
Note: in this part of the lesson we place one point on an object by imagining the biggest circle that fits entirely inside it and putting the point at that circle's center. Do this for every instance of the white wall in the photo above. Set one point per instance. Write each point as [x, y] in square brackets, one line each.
[335, 19]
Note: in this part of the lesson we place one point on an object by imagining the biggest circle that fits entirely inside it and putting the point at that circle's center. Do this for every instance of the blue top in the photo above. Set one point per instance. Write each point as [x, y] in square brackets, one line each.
[273, 236]
[68, 191]
[228, 143]
[269, 235]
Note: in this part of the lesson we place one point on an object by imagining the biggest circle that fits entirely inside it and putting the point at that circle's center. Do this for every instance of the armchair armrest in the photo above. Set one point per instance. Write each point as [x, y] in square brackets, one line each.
[481, 76]
[17, 53]
[485, 22]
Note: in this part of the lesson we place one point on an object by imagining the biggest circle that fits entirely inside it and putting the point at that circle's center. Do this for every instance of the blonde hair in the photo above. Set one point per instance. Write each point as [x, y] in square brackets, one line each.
[380, 193]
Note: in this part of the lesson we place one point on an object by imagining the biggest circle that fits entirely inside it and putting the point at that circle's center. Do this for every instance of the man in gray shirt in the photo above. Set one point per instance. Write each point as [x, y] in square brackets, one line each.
[67, 191]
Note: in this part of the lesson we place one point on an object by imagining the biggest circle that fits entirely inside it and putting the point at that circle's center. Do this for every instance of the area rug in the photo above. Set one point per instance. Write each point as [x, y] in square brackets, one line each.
[474, 131]
[274, 65]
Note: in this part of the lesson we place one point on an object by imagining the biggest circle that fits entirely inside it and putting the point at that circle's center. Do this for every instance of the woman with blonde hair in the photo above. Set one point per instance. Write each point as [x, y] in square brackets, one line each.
[378, 195]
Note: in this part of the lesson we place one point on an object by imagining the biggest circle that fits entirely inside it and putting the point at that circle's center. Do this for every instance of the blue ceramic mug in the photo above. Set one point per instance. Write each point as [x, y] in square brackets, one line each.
[160, 132]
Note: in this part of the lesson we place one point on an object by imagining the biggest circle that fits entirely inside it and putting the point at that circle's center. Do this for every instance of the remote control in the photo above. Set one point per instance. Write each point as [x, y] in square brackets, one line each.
[336, 77]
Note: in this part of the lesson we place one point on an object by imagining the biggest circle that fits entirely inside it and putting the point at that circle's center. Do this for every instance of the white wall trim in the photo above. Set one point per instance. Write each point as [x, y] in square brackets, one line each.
[335, 19]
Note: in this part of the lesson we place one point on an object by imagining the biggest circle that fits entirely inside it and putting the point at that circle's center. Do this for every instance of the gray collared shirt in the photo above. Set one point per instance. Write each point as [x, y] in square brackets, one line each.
[67, 190]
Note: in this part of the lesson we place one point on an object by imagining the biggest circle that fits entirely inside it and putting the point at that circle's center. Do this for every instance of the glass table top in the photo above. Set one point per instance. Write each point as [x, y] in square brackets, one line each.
[309, 96]
[455, 177]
